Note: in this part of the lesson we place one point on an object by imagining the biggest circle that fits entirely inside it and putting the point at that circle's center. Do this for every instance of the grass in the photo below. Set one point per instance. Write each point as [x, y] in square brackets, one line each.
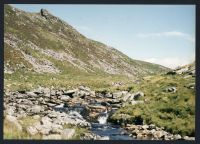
[10, 131]
[78, 131]
[173, 111]
[80, 47]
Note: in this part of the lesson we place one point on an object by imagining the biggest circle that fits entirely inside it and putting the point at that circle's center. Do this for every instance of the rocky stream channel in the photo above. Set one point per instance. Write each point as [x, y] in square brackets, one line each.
[79, 107]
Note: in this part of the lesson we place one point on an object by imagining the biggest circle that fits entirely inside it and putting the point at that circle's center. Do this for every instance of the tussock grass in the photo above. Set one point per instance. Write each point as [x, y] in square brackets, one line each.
[173, 111]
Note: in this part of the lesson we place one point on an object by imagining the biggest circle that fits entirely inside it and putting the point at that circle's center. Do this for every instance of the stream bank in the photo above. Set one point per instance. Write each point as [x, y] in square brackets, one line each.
[58, 114]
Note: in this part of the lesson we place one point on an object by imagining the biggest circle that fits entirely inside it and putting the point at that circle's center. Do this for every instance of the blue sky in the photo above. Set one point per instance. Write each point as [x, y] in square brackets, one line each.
[161, 34]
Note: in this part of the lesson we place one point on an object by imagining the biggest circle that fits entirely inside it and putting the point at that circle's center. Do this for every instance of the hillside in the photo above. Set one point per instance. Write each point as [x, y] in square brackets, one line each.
[58, 84]
[169, 102]
[43, 43]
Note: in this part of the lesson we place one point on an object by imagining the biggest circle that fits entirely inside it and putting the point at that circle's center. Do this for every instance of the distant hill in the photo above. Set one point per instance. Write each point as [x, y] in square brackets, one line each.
[42, 43]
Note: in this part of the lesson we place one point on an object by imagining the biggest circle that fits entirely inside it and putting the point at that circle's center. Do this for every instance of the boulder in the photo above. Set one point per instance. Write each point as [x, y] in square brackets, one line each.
[43, 129]
[31, 130]
[70, 92]
[31, 94]
[65, 98]
[36, 109]
[108, 95]
[188, 138]
[177, 137]
[126, 97]
[151, 127]
[46, 121]
[144, 127]
[158, 134]
[13, 120]
[138, 95]
[117, 95]
[56, 128]
[10, 110]
[67, 133]
[82, 88]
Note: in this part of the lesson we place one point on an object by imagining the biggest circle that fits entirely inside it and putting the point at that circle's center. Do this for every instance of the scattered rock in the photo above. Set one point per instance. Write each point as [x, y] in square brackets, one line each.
[36, 117]
[138, 95]
[36, 109]
[46, 121]
[68, 133]
[65, 98]
[177, 137]
[13, 120]
[31, 130]
[171, 89]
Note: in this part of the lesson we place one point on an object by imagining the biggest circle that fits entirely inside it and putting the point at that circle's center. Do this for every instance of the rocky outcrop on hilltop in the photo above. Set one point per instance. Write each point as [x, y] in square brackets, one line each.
[53, 46]
[187, 70]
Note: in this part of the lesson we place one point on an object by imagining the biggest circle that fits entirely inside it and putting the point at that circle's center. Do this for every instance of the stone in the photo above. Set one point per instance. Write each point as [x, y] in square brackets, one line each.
[139, 136]
[36, 117]
[31, 130]
[43, 129]
[117, 95]
[177, 137]
[158, 134]
[182, 70]
[138, 95]
[70, 92]
[104, 138]
[191, 85]
[65, 98]
[114, 101]
[36, 109]
[10, 110]
[105, 103]
[116, 105]
[126, 97]
[171, 89]
[56, 128]
[144, 127]
[108, 95]
[87, 89]
[75, 114]
[46, 121]
[151, 127]
[68, 133]
[52, 137]
[14, 121]
[31, 94]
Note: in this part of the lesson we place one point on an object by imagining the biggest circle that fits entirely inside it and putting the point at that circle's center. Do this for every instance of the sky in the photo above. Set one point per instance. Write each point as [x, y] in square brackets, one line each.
[162, 34]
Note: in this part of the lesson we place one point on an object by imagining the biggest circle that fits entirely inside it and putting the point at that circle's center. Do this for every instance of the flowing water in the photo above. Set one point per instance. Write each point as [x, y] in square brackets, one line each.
[102, 127]
[105, 129]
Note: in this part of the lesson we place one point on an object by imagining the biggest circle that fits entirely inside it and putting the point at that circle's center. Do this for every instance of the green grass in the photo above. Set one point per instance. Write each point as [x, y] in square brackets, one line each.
[72, 42]
[173, 111]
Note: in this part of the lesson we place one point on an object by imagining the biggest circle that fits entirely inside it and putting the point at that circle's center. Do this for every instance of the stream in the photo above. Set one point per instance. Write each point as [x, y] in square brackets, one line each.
[102, 127]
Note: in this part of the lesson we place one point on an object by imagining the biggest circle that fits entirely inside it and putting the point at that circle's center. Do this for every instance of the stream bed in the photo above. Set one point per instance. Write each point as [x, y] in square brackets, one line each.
[113, 132]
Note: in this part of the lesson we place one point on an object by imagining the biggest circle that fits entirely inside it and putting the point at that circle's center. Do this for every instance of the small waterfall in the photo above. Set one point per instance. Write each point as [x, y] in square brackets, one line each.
[102, 119]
